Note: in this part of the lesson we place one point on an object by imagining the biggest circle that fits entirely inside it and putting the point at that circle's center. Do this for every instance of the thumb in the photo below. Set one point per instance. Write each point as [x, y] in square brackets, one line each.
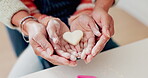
[94, 28]
[53, 29]
[42, 41]
[106, 26]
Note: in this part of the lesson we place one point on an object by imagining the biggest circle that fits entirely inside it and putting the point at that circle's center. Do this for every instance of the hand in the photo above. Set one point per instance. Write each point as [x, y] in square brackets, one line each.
[38, 39]
[106, 24]
[55, 29]
[85, 23]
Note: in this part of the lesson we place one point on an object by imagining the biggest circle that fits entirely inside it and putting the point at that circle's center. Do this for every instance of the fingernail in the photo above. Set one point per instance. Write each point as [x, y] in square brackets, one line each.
[83, 55]
[98, 33]
[49, 51]
[107, 33]
[89, 58]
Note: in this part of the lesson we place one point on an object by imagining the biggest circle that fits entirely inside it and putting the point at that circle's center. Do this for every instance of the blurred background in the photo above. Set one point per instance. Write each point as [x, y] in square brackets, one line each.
[131, 25]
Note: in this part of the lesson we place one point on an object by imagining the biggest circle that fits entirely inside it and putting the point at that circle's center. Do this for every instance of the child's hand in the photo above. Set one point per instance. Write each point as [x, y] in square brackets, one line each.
[85, 23]
[106, 24]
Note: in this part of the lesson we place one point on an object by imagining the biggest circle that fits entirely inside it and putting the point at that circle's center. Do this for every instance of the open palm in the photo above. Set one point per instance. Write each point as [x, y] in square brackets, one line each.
[84, 23]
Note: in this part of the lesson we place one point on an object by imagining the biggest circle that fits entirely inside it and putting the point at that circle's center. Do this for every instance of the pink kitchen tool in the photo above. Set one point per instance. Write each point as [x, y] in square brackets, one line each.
[84, 76]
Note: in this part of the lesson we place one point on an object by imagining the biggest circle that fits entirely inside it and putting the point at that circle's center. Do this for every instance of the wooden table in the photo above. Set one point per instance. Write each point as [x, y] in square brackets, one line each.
[130, 61]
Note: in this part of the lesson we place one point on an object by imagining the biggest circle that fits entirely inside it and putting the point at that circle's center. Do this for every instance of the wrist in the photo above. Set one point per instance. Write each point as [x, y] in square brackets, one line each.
[84, 11]
[28, 26]
[80, 12]
[104, 4]
[18, 16]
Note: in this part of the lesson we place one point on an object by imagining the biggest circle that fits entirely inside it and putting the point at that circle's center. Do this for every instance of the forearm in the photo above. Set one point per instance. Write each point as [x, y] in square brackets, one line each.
[17, 17]
[105, 4]
[8, 8]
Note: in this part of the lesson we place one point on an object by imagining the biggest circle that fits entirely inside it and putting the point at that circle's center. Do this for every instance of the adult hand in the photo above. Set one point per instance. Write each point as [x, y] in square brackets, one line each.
[38, 39]
[55, 29]
[85, 23]
[106, 25]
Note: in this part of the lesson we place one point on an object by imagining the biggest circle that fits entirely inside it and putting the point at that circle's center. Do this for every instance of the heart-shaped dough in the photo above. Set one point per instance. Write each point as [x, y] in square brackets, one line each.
[73, 37]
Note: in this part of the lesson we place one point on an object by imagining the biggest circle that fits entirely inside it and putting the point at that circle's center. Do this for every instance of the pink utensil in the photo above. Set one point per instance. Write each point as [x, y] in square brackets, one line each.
[84, 76]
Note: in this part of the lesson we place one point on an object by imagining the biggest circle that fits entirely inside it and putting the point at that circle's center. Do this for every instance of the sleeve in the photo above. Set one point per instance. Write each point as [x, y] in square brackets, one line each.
[8, 8]
[85, 4]
[31, 6]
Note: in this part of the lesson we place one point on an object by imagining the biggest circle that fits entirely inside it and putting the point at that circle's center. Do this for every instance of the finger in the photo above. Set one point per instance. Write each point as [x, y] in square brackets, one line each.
[79, 54]
[106, 25]
[73, 52]
[37, 48]
[73, 63]
[67, 46]
[56, 47]
[98, 47]
[73, 58]
[53, 29]
[83, 54]
[42, 41]
[88, 59]
[63, 48]
[63, 54]
[90, 45]
[63, 43]
[85, 44]
[94, 28]
[112, 27]
[81, 45]
[78, 47]
[73, 48]
[58, 60]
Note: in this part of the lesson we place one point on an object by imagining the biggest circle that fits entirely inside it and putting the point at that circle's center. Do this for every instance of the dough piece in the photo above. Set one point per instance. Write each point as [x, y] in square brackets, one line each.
[73, 37]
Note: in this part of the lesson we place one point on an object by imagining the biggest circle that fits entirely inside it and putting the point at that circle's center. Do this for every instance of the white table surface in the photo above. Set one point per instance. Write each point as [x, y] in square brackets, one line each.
[130, 61]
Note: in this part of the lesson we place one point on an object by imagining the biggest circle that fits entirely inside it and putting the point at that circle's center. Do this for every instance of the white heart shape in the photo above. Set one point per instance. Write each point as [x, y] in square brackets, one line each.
[73, 37]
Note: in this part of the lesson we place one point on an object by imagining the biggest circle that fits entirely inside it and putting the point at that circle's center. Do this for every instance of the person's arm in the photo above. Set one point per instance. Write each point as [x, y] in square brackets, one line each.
[105, 22]
[105, 4]
[8, 8]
